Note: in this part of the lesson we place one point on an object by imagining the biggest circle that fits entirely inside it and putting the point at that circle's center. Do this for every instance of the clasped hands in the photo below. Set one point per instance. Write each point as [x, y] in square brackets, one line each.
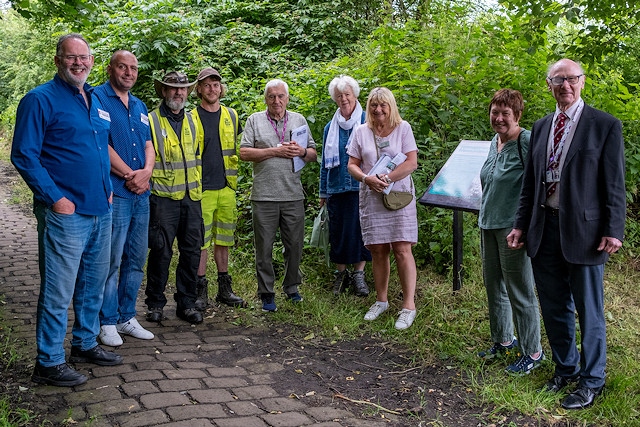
[378, 183]
[290, 149]
[137, 181]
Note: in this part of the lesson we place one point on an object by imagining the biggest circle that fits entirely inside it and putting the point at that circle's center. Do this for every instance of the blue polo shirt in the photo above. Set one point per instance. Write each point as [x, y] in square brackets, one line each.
[60, 147]
[130, 132]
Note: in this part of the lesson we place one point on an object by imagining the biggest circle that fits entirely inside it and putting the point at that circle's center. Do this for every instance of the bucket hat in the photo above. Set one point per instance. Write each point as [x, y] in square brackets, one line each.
[173, 79]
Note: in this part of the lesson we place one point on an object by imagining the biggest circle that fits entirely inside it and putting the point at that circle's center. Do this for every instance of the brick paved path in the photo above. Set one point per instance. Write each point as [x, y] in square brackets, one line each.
[174, 379]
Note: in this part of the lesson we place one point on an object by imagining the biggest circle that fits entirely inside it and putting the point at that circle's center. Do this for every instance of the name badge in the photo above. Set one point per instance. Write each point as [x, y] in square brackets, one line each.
[144, 119]
[553, 176]
[104, 115]
[383, 144]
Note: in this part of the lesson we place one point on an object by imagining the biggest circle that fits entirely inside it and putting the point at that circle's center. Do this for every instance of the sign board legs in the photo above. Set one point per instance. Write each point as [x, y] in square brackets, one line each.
[457, 249]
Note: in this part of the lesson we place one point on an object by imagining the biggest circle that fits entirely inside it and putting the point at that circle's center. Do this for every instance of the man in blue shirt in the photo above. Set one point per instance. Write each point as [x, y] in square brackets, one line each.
[60, 148]
[132, 157]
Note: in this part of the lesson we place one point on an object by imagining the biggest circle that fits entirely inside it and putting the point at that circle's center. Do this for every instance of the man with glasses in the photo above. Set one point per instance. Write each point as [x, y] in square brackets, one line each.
[61, 149]
[132, 157]
[571, 217]
[176, 191]
[277, 197]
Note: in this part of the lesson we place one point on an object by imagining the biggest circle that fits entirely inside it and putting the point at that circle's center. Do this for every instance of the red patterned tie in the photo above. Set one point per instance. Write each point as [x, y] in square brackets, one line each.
[554, 158]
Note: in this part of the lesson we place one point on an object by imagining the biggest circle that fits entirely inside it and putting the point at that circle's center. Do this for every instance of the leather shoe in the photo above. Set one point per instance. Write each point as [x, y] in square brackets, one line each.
[190, 315]
[155, 315]
[60, 375]
[558, 382]
[581, 398]
[96, 355]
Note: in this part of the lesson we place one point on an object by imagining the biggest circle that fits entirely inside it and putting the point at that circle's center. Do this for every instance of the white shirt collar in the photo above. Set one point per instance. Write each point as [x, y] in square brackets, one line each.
[571, 112]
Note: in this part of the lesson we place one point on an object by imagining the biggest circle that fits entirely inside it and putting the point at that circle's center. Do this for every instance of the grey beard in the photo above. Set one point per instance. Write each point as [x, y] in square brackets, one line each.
[175, 105]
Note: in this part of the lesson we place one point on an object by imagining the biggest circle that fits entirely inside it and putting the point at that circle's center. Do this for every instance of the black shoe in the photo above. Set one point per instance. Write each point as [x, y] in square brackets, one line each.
[341, 282]
[558, 382]
[96, 355]
[60, 375]
[225, 293]
[360, 287]
[190, 315]
[155, 315]
[581, 398]
[202, 291]
[498, 350]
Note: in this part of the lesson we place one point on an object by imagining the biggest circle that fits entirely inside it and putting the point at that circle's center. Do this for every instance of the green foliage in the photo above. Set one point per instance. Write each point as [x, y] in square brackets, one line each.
[259, 39]
[442, 60]
[26, 60]
[604, 28]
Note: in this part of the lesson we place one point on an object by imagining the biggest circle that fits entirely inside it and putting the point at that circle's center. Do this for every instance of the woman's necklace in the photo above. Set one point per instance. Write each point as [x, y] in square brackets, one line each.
[382, 131]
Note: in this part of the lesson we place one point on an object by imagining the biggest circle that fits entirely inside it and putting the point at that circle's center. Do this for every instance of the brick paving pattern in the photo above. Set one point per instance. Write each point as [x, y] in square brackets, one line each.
[173, 380]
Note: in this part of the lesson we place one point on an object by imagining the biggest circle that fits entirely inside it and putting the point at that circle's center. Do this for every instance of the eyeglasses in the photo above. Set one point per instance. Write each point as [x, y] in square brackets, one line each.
[72, 58]
[559, 81]
[176, 79]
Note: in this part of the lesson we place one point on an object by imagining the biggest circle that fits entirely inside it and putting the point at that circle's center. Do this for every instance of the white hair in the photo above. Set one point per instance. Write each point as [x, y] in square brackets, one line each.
[274, 83]
[341, 83]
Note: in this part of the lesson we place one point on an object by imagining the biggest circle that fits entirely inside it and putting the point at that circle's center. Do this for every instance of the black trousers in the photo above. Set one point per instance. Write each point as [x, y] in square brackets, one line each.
[171, 219]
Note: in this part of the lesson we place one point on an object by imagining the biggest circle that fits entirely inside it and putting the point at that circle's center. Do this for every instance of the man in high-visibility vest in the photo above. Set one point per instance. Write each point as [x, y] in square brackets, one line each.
[176, 191]
[220, 127]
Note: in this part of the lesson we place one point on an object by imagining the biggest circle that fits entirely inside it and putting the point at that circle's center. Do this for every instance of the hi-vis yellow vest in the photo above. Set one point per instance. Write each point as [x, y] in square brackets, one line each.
[178, 166]
[228, 140]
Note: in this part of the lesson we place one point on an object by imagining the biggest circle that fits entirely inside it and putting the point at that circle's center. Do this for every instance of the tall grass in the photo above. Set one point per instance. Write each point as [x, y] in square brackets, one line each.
[452, 327]
[13, 411]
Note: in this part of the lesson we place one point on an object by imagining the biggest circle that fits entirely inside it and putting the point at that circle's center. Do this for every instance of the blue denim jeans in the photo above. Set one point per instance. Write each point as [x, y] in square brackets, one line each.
[129, 239]
[74, 262]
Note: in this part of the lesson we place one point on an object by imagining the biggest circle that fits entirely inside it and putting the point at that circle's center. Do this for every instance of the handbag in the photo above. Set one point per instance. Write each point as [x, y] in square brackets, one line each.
[320, 232]
[396, 200]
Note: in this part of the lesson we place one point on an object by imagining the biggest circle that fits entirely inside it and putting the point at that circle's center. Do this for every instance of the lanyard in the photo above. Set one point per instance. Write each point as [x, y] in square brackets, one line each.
[274, 125]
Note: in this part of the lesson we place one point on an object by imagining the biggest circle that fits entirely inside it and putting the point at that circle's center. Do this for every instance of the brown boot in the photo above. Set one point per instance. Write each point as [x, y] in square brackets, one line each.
[225, 293]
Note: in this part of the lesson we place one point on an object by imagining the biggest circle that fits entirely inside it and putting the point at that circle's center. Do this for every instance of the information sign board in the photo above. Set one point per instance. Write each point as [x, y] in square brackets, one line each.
[457, 185]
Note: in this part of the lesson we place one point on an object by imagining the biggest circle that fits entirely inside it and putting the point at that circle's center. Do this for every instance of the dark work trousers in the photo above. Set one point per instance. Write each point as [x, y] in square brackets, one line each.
[563, 289]
[171, 219]
[267, 218]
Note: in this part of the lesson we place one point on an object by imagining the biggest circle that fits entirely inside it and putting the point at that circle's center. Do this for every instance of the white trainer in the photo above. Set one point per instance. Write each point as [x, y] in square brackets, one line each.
[109, 336]
[376, 310]
[133, 328]
[405, 318]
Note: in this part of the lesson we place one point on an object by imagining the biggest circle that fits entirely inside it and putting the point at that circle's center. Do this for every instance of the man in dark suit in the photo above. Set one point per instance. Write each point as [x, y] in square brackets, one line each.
[571, 216]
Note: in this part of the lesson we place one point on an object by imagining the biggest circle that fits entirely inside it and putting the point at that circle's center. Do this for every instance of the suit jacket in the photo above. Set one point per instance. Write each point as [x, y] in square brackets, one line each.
[592, 189]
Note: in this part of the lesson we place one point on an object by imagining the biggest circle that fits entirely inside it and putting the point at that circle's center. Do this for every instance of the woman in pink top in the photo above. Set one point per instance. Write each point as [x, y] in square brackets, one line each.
[384, 230]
